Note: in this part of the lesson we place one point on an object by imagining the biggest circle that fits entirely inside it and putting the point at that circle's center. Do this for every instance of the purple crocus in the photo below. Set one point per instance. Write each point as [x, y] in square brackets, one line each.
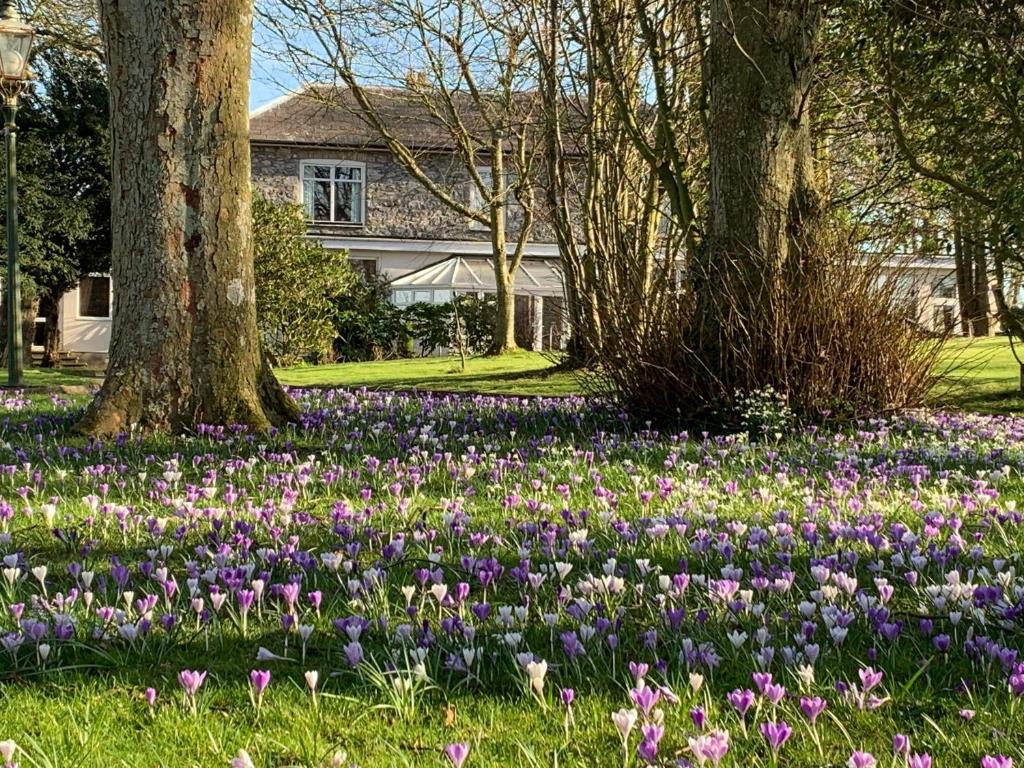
[741, 700]
[191, 681]
[861, 760]
[457, 753]
[900, 744]
[812, 706]
[260, 679]
[996, 761]
[869, 678]
[923, 760]
[776, 733]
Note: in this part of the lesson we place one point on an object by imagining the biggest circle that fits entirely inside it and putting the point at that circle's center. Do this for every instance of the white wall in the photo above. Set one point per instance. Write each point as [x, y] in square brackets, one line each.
[82, 334]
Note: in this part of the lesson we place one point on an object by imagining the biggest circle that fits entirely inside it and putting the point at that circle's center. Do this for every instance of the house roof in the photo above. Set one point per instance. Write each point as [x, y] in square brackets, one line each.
[327, 115]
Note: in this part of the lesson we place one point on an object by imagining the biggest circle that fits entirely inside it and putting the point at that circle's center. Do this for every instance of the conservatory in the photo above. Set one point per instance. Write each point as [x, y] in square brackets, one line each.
[540, 321]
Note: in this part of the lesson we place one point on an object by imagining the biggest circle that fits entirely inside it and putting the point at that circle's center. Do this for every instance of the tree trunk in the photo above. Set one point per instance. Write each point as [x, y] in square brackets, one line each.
[981, 288]
[184, 346]
[49, 308]
[29, 312]
[964, 276]
[504, 274]
[763, 196]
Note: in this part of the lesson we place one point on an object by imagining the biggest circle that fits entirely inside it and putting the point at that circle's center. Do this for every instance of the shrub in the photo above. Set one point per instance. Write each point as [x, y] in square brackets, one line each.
[842, 348]
[433, 326]
[297, 283]
[367, 325]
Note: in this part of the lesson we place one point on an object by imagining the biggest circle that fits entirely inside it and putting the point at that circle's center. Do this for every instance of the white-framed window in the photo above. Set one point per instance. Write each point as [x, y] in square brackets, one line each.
[94, 297]
[334, 191]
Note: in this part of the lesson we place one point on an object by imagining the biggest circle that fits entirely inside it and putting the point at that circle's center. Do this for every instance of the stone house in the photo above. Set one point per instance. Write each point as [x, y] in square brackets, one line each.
[321, 154]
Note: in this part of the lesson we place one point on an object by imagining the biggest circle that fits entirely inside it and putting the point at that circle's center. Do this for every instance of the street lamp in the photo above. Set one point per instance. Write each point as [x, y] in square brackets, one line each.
[15, 45]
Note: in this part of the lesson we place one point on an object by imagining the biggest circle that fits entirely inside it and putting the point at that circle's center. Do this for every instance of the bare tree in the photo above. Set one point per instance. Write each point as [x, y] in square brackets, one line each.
[619, 171]
[185, 348]
[464, 66]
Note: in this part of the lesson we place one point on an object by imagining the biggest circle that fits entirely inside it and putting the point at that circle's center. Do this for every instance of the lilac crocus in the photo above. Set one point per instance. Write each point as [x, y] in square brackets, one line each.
[812, 706]
[741, 700]
[259, 679]
[869, 678]
[996, 761]
[191, 681]
[776, 733]
[457, 753]
[900, 744]
[861, 760]
[923, 760]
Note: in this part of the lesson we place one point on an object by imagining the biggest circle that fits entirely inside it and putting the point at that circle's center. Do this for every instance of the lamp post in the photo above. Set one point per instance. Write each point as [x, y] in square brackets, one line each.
[15, 45]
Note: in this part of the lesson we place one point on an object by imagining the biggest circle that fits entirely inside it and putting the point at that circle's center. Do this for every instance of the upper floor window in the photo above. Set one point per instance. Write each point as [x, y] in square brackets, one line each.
[334, 192]
[94, 296]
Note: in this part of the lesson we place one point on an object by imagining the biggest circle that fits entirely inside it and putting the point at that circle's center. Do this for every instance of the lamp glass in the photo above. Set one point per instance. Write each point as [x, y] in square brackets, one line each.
[15, 45]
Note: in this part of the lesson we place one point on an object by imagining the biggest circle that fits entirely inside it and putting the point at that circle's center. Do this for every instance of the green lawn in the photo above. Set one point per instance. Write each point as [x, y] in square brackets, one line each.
[523, 373]
[980, 375]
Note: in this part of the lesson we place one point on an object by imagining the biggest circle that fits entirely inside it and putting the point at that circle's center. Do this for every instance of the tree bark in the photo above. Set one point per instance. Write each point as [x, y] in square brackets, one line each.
[504, 339]
[964, 276]
[29, 312]
[763, 196]
[49, 307]
[981, 323]
[184, 346]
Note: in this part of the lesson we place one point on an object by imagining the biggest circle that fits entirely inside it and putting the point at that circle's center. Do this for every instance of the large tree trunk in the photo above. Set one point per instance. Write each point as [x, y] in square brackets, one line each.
[184, 347]
[763, 197]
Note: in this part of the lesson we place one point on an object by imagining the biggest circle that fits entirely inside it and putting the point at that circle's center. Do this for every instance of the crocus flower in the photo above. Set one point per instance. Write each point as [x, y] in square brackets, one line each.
[923, 760]
[741, 700]
[900, 744]
[259, 679]
[191, 680]
[7, 751]
[150, 696]
[996, 761]
[710, 747]
[242, 760]
[457, 753]
[861, 760]
[624, 721]
[776, 733]
[812, 706]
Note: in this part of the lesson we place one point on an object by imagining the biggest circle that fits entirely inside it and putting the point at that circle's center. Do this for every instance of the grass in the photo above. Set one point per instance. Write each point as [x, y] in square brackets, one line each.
[85, 707]
[977, 375]
[981, 375]
[521, 373]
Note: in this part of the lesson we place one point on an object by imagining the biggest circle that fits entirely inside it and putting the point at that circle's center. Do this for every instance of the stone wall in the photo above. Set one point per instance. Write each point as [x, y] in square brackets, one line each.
[397, 206]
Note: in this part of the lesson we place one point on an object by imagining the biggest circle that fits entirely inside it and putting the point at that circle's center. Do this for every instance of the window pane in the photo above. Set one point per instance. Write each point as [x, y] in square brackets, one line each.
[402, 297]
[348, 172]
[348, 202]
[94, 297]
[317, 195]
[343, 202]
[316, 171]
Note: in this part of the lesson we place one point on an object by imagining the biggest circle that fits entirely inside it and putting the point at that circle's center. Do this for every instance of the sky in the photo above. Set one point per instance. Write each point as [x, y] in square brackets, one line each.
[270, 79]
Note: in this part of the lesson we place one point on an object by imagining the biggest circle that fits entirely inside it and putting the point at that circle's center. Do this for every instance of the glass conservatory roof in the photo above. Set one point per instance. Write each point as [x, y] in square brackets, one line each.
[475, 274]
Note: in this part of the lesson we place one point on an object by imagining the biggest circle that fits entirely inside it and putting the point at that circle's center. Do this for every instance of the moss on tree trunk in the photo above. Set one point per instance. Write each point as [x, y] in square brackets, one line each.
[184, 347]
